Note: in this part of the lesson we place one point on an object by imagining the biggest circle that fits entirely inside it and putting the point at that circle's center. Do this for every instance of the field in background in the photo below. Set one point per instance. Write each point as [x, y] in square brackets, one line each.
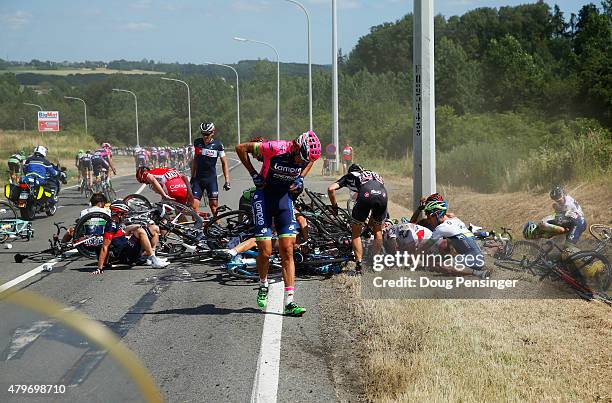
[65, 72]
[62, 145]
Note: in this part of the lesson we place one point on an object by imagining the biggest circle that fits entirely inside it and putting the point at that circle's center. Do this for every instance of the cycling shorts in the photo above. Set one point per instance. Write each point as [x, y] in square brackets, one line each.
[83, 165]
[576, 229]
[371, 201]
[271, 208]
[210, 185]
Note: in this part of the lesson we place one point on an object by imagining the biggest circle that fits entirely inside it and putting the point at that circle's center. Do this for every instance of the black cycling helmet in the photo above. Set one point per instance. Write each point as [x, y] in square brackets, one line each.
[97, 198]
[557, 192]
[207, 127]
[355, 168]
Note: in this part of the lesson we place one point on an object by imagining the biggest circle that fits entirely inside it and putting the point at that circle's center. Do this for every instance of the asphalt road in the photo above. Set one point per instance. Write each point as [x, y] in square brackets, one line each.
[197, 330]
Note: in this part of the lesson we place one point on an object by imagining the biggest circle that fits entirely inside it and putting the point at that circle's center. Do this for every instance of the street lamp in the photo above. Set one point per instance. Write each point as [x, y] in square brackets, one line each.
[300, 5]
[136, 105]
[38, 106]
[277, 80]
[188, 100]
[84, 106]
[237, 92]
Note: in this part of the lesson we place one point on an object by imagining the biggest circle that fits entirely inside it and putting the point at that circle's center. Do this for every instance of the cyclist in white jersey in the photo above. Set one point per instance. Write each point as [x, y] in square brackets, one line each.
[404, 237]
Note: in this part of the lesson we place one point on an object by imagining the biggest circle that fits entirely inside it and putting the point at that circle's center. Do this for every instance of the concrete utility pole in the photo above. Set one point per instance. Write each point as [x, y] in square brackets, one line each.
[423, 102]
[335, 85]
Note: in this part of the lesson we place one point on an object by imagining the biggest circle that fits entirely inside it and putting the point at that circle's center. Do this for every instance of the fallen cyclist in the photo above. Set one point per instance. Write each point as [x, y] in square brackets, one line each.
[128, 243]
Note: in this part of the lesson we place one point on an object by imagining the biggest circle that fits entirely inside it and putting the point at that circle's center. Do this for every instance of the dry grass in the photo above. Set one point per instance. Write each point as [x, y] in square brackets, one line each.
[63, 145]
[481, 350]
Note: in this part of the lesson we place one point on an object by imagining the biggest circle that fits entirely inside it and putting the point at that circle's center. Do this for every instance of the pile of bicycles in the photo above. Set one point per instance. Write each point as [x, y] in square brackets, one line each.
[587, 272]
[187, 237]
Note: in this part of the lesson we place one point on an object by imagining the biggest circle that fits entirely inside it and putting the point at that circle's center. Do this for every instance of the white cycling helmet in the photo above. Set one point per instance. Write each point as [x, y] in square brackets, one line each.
[42, 150]
[207, 127]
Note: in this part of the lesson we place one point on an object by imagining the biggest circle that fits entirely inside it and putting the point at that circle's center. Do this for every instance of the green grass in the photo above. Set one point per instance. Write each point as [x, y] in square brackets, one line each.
[62, 146]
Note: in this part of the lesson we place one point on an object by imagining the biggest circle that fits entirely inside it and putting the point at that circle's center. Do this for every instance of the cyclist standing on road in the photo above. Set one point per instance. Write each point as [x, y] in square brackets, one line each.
[280, 181]
[204, 168]
[371, 198]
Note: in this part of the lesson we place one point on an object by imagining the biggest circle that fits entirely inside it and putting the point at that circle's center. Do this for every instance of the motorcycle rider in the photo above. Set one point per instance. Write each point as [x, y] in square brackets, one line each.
[43, 172]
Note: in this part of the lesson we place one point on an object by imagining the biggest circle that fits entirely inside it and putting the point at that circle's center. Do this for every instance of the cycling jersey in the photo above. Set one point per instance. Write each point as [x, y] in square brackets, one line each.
[407, 235]
[172, 182]
[460, 238]
[371, 195]
[206, 158]
[127, 250]
[279, 168]
[347, 153]
[85, 162]
[569, 208]
[16, 159]
[99, 163]
[104, 153]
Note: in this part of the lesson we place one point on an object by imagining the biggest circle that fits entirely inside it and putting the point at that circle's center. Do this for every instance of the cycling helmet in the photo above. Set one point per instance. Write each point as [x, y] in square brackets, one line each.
[106, 145]
[141, 174]
[404, 220]
[42, 150]
[557, 192]
[309, 146]
[81, 152]
[355, 168]
[437, 208]
[434, 197]
[119, 207]
[207, 127]
[529, 230]
[97, 198]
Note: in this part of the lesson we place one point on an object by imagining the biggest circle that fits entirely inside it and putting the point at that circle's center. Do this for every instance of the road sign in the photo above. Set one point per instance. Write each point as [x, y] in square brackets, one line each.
[48, 121]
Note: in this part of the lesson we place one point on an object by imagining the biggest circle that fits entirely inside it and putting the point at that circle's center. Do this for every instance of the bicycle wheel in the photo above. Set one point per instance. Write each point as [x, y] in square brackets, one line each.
[7, 211]
[111, 192]
[594, 268]
[600, 231]
[231, 224]
[179, 214]
[88, 233]
[137, 202]
[524, 258]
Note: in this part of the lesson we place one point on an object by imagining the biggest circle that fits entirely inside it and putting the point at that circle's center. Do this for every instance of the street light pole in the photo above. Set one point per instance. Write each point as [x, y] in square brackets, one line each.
[300, 5]
[85, 106]
[188, 100]
[24, 129]
[38, 106]
[277, 80]
[335, 84]
[237, 92]
[136, 105]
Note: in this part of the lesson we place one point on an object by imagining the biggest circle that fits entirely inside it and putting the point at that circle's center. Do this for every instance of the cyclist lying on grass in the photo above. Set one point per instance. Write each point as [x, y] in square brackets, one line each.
[469, 258]
[567, 219]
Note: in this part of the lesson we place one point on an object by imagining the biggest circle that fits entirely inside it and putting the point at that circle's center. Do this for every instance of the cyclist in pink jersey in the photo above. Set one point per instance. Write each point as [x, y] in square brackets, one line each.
[280, 181]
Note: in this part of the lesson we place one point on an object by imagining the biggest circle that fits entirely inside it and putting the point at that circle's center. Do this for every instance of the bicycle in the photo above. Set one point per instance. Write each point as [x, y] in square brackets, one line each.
[498, 245]
[588, 273]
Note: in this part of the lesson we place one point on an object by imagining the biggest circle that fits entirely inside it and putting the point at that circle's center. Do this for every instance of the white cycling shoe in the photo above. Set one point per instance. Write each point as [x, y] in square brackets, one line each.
[156, 262]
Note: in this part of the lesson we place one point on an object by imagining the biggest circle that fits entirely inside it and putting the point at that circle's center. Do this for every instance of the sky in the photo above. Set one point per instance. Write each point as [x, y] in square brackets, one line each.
[196, 31]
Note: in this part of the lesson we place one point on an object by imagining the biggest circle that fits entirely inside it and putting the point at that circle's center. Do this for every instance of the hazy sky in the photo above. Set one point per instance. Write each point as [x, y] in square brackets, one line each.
[198, 30]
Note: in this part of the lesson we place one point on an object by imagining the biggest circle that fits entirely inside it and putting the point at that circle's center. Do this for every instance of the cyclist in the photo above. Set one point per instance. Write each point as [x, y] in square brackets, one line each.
[281, 179]
[77, 158]
[105, 151]
[204, 167]
[128, 244]
[347, 157]
[15, 165]
[140, 157]
[420, 218]
[43, 172]
[371, 198]
[154, 156]
[458, 235]
[86, 167]
[99, 165]
[97, 202]
[403, 237]
[167, 182]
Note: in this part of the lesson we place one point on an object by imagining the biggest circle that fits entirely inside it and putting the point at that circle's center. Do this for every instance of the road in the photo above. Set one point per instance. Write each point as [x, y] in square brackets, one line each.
[198, 331]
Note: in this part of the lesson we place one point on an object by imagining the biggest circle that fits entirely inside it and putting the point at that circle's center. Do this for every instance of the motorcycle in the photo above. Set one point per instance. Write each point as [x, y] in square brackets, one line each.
[31, 197]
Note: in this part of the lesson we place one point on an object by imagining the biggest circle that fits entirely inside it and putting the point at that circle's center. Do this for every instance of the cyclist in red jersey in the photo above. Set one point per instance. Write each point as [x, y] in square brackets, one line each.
[167, 182]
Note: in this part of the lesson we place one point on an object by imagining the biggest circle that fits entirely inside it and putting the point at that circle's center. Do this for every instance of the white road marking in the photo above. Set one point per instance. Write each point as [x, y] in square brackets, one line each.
[265, 387]
[27, 275]
[140, 189]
